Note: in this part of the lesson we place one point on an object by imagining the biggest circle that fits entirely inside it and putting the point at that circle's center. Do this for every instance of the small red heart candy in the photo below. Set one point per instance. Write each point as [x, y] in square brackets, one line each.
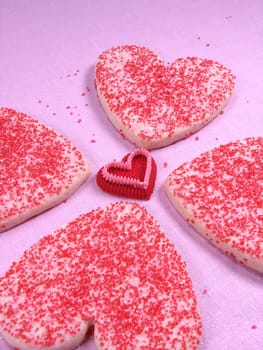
[134, 176]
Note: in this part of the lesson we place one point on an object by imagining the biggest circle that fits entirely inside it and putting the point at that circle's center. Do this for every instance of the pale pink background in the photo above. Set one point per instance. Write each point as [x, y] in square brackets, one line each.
[47, 54]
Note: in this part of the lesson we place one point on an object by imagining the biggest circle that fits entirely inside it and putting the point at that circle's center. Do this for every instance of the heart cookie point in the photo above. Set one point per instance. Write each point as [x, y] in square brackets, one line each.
[133, 177]
[154, 105]
[40, 168]
[220, 194]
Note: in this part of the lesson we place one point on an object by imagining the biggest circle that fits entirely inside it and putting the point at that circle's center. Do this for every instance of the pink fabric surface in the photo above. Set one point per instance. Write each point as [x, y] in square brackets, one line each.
[48, 52]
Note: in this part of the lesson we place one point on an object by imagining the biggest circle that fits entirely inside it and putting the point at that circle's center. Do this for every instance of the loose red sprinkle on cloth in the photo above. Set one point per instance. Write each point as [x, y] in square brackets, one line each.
[154, 104]
[220, 193]
[133, 177]
[39, 168]
[114, 268]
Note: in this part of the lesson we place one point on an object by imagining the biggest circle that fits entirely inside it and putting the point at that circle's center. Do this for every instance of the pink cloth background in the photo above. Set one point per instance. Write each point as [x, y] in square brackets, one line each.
[48, 52]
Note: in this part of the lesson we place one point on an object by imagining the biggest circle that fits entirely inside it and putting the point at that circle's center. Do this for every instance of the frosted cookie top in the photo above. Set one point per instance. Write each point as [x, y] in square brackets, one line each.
[153, 104]
[39, 167]
[221, 194]
[112, 267]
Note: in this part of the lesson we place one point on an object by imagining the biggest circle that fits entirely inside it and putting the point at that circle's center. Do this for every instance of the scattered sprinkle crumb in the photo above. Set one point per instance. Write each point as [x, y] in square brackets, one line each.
[68, 76]
[196, 138]
[93, 141]
[204, 291]
[71, 113]
[39, 101]
[47, 106]
[79, 120]
[68, 107]
[86, 104]
[207, 45]
[83, 94]
[254, 326]
[222, 112]
[165, 164]
[54, 113]
[198, 37]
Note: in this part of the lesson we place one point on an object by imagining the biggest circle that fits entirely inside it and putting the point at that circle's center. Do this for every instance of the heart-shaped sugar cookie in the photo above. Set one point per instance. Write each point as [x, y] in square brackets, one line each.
[221, 194]
[154, 105]
[39, 168]
[112, 267]
[133, 177]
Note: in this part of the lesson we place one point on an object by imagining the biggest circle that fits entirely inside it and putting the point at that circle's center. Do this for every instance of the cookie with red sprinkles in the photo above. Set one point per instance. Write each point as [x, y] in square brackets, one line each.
[39, 168]
[133, 177]
[113, 268]
[220, 193]
[154, 104]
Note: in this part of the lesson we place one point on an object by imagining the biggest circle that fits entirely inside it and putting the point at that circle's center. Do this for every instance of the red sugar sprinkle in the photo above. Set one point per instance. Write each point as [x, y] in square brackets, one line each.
[204, 291]
[83, 94]
[112, 266]
[165, 164]
[93, 141]
[222, 112]
[254, 326]
[79, 120]
[196, 138]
